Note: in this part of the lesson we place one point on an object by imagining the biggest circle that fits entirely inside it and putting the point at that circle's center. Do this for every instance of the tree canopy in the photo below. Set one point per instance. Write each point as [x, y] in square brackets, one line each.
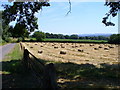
[114, 38]
[114, 9]
[39, 35]
[23, 13]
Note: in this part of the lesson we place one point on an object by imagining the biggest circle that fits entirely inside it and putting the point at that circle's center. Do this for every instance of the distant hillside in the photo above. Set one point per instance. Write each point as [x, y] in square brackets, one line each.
[92, 35]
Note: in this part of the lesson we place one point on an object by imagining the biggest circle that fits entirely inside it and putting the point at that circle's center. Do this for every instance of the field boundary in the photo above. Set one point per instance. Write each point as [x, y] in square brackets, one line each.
[71, 42]
[45, 74]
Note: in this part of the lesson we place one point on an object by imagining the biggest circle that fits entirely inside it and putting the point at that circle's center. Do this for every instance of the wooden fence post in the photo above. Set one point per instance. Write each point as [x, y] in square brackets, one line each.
[21, 46]
[25, 58]
[49, 78]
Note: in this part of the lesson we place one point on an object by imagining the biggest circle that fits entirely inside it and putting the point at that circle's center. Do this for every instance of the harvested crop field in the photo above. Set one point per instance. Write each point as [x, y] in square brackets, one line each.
[80, 65]
[79, 53]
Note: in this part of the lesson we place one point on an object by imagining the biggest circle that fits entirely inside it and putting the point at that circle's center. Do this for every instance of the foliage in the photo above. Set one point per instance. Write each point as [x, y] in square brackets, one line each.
[95, 37]
[23, 12]
[4, 29]
[61, 36]
[115, 38]
[2, 42]
[39, 35]
[114, 10]
[18, 31]
[20, 39]
[74, 36]
[67, 36]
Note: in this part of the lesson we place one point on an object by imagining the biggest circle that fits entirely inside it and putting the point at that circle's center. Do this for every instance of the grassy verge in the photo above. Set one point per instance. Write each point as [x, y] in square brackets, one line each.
[15, 54]
[12, 61]
[3, 43]
[14, 74]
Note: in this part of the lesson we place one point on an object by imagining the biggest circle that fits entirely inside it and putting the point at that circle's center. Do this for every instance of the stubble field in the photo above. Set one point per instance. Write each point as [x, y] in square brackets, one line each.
[80, 65]
[79, 53]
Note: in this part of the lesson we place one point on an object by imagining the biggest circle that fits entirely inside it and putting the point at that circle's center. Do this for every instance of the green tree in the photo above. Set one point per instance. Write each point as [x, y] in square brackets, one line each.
[4, 29]
[67, 36]
[23, 13]
[18, 31]
[47, 35]
[114, 38]
[39, 35]
[74, 36]
[61, 36]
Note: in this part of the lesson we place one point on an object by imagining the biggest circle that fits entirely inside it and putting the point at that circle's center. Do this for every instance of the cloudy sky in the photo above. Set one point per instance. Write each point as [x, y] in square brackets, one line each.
[85, 18]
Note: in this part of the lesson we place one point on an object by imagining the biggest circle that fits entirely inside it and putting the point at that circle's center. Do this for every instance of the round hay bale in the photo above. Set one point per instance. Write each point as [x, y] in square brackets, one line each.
[76, 46]
[80, 50]
[62, 47]
[81, 45]
[41, 46]
[61, 44]
[62, 52]
[31, 47]
[73, 46]
[110, 46]
[106, 48]
[40, 51]
[55, 47]
[91, 45]
[96, 48]
[100, 47]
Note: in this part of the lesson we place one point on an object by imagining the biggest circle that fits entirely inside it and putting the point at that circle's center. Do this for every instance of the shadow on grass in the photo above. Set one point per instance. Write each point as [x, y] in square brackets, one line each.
[72, 75]
[14, 75]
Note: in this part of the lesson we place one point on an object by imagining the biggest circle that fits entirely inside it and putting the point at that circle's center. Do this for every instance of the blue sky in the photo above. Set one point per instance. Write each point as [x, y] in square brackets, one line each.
[85, 18]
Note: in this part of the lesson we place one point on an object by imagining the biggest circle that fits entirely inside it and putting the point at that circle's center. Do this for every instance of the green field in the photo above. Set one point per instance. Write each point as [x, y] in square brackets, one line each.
[70, 40]
[75, 40]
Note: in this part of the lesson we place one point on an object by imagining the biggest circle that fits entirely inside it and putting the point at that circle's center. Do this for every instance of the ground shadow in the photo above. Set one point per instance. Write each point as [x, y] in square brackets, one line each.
[69, 75]
[14, 75]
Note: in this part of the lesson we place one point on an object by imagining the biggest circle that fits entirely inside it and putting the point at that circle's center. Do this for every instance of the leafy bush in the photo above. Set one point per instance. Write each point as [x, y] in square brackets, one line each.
[7, 39]
[114, 38]
[39, 35]
[20, 39]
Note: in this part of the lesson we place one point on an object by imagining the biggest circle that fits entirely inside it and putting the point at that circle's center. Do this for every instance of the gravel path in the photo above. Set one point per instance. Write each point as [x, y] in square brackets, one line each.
[5, 49]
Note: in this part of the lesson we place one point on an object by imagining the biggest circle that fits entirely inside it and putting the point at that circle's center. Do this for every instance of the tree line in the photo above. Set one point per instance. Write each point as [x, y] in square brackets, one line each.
[39, 35]
[73, 36]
